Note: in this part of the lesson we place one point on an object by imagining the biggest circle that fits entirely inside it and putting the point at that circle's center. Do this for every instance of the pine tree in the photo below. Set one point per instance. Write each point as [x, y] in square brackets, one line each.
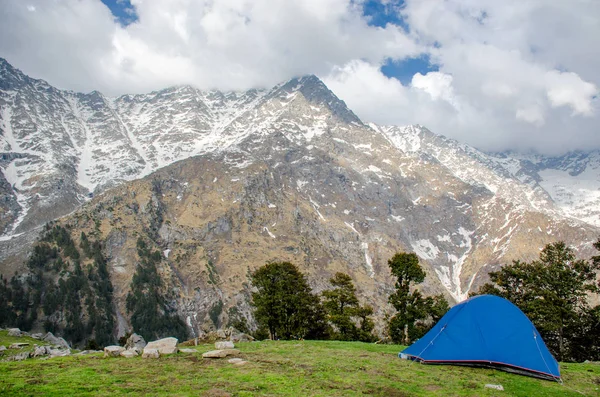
[285, 304]
[408, 324]
[344, 311]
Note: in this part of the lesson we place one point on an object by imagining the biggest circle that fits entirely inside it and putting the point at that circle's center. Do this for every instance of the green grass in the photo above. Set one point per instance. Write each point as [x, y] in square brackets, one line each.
[293, 368]
[9, 340]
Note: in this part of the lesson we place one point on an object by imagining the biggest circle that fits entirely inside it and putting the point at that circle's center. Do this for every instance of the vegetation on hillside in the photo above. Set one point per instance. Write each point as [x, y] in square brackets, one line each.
[151, 315]
[553, 292]
[70, 292]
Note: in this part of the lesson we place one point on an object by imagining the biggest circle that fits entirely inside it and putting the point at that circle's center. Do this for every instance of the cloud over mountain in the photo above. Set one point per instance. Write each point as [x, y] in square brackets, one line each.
[508, 74]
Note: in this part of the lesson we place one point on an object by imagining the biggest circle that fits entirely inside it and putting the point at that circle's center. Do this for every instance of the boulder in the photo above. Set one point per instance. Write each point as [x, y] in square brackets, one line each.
[224, 345]
[150, 353]
[37, 336]
[135, 342]
[40, 351]
[14, 332]
[18, 345]
[221, 353]
[55, 340]
[113, 351]
[129, 353]
[2, 348]
[164, 346]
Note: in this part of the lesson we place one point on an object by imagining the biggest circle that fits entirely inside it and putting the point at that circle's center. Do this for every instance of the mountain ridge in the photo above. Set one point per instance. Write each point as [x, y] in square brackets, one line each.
[237, 179]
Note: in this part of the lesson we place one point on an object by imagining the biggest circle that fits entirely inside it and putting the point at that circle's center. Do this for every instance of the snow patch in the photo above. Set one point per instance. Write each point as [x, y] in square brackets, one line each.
[425, 249]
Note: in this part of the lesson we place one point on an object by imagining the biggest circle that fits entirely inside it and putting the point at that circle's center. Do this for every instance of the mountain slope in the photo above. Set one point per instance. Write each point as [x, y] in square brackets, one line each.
[232, 180]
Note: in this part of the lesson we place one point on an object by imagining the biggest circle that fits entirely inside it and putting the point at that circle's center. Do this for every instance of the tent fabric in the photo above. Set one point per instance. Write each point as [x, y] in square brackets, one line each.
[488, 331]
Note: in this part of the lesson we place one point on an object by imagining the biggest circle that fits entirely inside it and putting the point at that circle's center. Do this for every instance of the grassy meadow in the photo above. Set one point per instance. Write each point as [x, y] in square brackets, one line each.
[290, 368]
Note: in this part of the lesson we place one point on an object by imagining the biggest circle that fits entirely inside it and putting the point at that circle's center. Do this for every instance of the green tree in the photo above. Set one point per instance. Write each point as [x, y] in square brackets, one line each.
[412, 309]
[553, 292]
[284, 303]
[344, 311]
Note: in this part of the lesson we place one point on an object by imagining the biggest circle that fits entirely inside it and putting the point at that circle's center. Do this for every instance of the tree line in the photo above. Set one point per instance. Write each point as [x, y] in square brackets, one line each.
[286, 307]
[69, 285]
[555, 292]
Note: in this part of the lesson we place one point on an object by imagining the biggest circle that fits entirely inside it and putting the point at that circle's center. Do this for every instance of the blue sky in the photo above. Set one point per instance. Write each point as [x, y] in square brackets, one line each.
[123, 11]
[376, 13]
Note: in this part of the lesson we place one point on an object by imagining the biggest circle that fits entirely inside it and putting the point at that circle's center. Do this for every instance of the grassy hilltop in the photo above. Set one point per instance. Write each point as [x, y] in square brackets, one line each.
[292, 368]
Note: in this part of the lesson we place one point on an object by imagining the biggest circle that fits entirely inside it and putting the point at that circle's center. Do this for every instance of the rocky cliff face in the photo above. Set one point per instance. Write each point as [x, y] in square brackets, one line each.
[233, 180]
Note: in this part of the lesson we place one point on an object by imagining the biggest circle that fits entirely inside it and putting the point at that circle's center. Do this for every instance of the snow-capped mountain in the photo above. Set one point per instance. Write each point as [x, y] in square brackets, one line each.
[286, 173]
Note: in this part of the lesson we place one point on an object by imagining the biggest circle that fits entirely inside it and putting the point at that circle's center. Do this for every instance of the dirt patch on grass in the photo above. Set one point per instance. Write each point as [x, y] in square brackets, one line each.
[36, 381]
[432, 387]
[216, 393]
[388, 391]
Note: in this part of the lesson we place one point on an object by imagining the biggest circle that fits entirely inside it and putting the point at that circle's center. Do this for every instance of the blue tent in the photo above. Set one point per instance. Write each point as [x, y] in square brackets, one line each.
[486, 331]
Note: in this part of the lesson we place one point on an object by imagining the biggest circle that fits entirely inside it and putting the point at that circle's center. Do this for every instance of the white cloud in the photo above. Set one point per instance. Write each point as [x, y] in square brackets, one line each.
[512, 74]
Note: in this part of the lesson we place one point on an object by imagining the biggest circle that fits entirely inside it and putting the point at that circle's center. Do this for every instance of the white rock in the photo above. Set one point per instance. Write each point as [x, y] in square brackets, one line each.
[224, 345]
[495, 387]
[113, 351]
[135, 342]
[55, 340]
[14, 332]
[188, 351]
[129, 353]
[41, 351]
[18, 345]
[60, 352]
[221, 353]
[164, 346]
[150, 353]
[234, 360]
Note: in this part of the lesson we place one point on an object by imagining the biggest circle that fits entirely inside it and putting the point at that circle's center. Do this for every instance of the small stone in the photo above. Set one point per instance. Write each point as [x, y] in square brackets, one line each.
[2, 348]
[37, 336]
[14, 332]
[113, 351]
[241, 363]
[86, 352]
[188, 351]
[18, 345]
[234, 360]
[221, 353]
[129, 353]
[224, 345]
[150, 353]
[214, 354]
[495, 387]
